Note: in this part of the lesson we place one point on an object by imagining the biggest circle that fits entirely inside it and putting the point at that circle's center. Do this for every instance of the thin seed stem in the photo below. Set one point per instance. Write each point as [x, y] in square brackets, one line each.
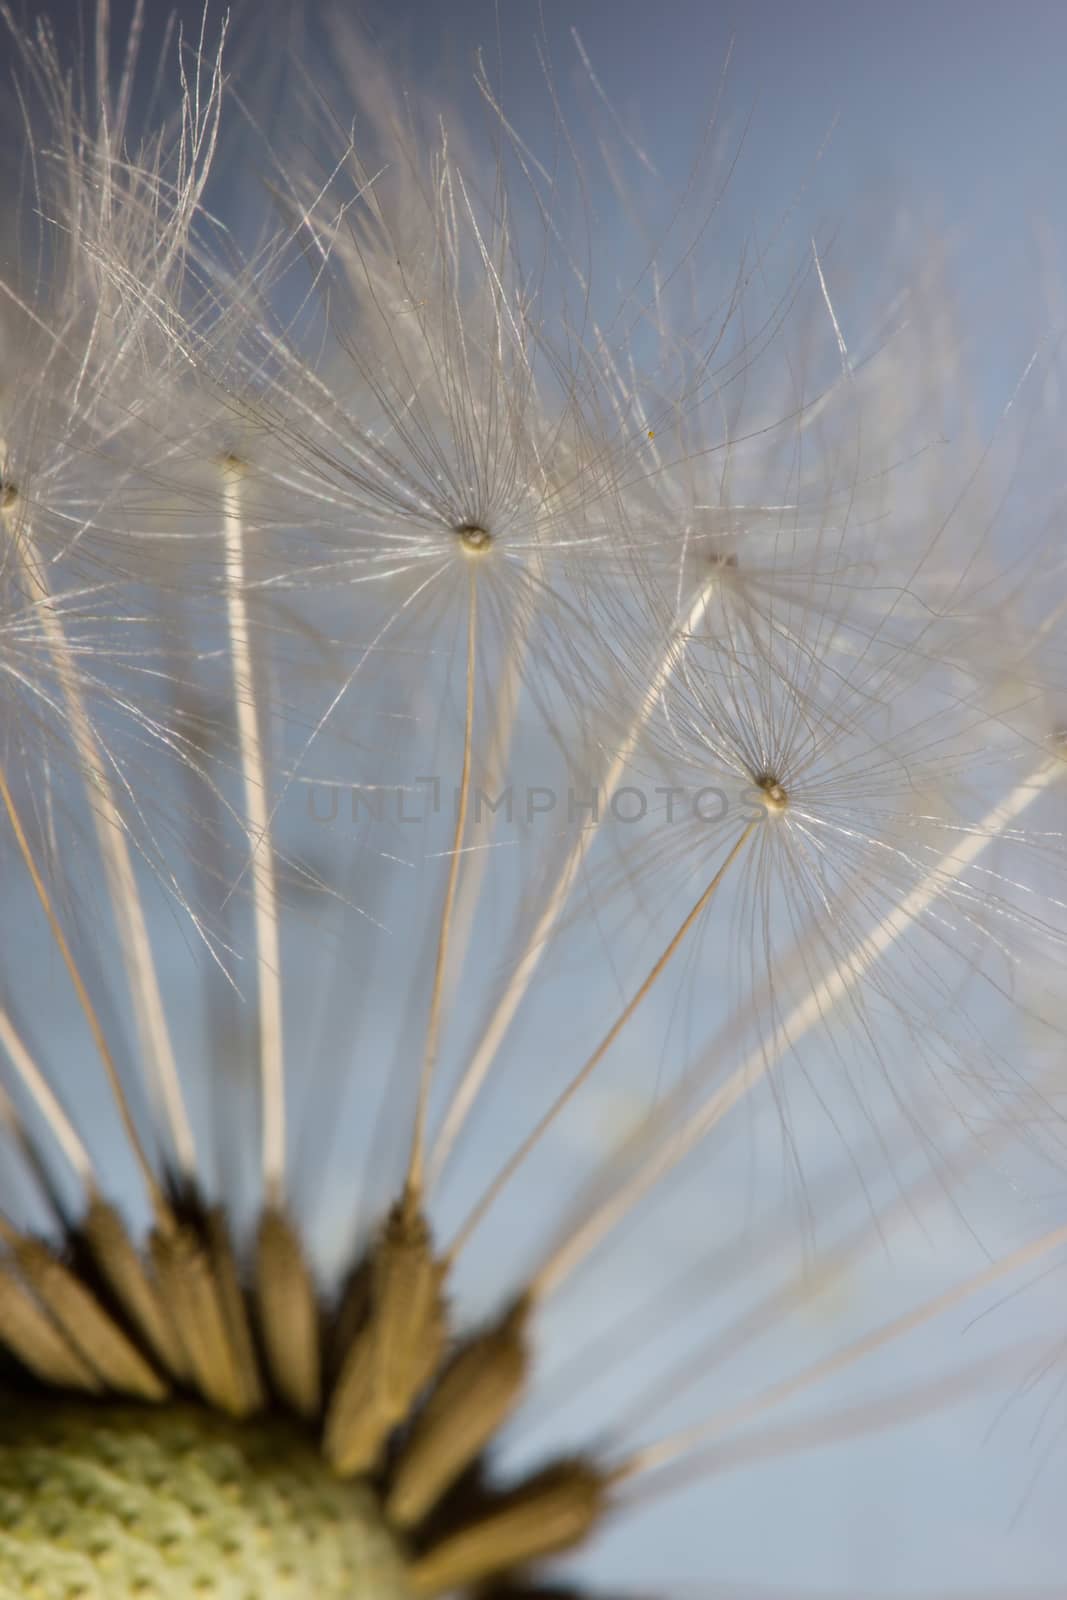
[55, 1116]
[668, 1449]
[506, 690]
[769, 1310]
[141, 975]
[88, 1009]
[264, 888]
[417, 1159]
[772, 1443]
[482, 1060]
[804, 1016]
[510, 1167]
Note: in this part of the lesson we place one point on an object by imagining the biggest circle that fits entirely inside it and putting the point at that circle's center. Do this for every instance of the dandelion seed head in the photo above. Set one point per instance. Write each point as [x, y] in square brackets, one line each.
[225, 1158]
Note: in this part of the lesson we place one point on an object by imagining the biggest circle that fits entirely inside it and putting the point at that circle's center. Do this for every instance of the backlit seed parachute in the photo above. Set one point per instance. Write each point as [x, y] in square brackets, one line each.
[103, 231]
[404, 367]
[897, 799]
[100, 229]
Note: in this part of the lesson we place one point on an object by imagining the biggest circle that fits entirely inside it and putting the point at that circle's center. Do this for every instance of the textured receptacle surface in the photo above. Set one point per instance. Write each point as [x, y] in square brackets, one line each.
[108, 1503]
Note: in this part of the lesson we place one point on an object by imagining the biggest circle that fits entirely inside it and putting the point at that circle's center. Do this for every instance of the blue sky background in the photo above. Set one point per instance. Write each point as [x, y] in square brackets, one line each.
[951, 111]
